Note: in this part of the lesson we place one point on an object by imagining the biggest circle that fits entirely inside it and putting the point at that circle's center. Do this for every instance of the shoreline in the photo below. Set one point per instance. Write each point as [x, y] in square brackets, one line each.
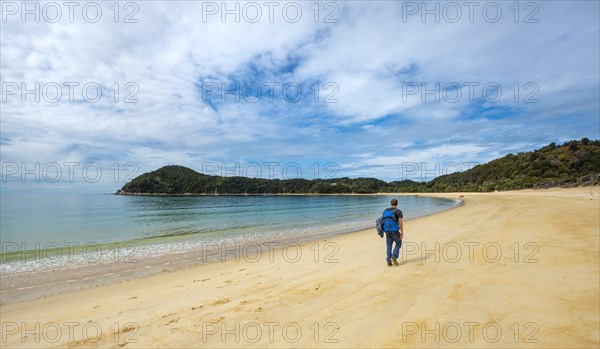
[430, 194]
[545, 279]
[264, 194]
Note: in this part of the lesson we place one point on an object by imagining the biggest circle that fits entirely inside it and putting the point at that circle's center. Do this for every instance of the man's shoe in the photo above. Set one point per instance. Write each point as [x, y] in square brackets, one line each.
[389, 264]
[394, 261]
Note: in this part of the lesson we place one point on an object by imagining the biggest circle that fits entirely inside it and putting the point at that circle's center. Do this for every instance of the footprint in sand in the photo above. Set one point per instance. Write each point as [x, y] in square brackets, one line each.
[221, 301]
[240, 307]
[226, 283]
[170, 322]
[219, 319]
[175, 320]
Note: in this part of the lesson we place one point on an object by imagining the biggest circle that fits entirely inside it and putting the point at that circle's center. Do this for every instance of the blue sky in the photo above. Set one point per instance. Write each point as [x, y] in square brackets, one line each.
[354, 89]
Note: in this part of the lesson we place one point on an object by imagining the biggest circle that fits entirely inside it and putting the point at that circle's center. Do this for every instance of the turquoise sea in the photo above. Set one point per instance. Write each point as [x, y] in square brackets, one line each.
[158, 225]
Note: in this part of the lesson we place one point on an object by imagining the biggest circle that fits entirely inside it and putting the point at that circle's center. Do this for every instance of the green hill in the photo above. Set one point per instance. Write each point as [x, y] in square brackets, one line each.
[574, 163]
[182, 180]
[570, 164]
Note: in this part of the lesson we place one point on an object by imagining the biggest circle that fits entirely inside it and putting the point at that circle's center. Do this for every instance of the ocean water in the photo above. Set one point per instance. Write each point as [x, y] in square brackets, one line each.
[36, 229]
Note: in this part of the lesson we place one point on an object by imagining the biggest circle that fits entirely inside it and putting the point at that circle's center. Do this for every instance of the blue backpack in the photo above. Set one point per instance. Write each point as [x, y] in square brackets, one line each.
[389, 221]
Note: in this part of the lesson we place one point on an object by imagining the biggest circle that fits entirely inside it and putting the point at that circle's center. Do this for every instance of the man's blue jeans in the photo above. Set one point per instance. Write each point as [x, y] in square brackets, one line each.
[390, 238]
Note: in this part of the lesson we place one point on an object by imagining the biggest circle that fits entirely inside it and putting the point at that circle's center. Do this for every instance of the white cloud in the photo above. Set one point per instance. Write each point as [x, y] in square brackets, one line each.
[369, 53]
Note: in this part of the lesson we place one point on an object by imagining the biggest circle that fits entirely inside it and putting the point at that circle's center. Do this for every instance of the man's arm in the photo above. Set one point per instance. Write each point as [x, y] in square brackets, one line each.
[401, 225]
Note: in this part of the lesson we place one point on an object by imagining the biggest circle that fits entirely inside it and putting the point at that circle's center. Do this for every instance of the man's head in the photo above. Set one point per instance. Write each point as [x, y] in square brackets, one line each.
[394, 202]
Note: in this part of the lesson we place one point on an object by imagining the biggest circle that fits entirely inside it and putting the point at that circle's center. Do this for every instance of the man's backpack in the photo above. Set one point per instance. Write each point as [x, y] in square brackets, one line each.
[390, 225]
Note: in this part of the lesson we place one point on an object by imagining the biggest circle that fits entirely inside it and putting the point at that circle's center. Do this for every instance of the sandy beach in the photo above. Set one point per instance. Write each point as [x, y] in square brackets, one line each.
[509, 269]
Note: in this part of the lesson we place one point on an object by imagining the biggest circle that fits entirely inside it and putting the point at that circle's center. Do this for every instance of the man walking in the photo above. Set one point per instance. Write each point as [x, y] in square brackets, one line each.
[394, 232]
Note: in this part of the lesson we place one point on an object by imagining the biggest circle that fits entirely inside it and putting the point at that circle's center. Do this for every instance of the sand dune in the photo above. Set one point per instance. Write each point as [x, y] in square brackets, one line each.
[511, 269]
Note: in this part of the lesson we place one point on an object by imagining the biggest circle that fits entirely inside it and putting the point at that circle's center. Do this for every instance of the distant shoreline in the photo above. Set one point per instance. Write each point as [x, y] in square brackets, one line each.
[276, 194]
[416, 194]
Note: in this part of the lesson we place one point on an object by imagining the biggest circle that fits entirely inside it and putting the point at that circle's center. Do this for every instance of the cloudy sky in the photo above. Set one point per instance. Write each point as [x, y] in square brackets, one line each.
[97, 92]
